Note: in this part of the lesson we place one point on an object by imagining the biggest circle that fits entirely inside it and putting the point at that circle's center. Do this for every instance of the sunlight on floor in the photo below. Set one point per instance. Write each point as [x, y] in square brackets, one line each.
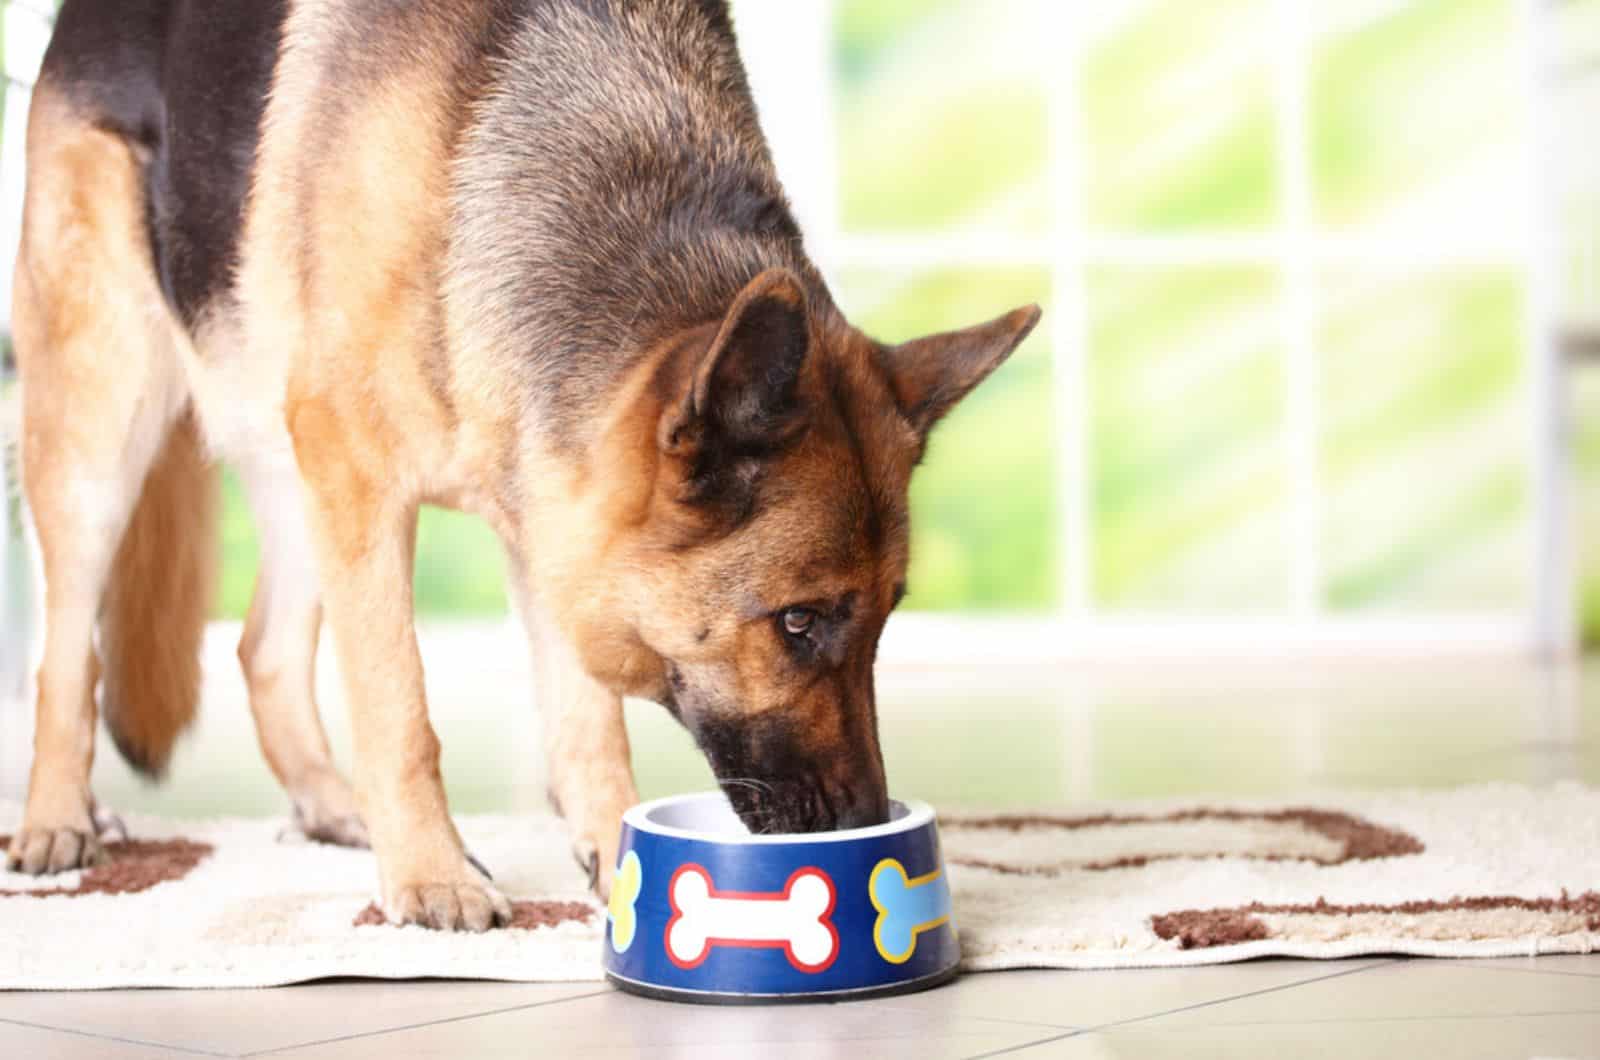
[983, 735]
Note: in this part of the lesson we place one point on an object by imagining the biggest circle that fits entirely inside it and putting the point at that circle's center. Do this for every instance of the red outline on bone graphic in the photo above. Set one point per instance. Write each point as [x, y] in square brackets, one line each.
[747, 919]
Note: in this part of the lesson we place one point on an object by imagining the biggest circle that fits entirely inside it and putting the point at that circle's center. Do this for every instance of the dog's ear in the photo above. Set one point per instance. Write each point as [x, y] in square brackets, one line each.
[929, 375]
[743, 397]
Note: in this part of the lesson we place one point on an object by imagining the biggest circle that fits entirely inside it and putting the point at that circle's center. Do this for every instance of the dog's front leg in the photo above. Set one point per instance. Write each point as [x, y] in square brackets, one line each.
[586, 751]
[365, 544]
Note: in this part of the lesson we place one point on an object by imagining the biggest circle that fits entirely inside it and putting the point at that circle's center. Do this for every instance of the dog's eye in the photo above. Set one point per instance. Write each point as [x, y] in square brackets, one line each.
[797, 621]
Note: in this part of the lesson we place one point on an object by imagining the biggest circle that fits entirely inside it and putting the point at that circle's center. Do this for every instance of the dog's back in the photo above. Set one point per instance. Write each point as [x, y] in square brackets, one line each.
[588, 141]
[616, 176]
[186, 81]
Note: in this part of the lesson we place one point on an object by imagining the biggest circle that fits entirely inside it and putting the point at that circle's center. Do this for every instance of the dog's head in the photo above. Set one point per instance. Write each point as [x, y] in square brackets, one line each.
[775, 541]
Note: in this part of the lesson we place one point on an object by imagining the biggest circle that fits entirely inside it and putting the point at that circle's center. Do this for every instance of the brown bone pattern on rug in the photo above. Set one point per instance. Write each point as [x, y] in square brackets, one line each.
[1458, 918]
[134, 865]
[1347, 838]
[129, 866]
[524, 915]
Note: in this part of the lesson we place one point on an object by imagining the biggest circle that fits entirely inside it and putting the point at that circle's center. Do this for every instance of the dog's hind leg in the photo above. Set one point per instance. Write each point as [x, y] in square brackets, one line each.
[101, 391]
[278, 653]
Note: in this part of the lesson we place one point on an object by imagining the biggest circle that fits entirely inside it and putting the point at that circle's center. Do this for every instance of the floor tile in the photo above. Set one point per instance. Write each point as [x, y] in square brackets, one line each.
[1554, 964]
[1411, 989]
[36, 1043]
[617, 1025]
[1482, 1038]
[1090, 999]
[234, 1021]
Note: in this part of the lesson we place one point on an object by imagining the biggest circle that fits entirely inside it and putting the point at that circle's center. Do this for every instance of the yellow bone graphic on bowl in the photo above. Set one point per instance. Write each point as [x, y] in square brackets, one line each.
[625, 888]
[906, 908]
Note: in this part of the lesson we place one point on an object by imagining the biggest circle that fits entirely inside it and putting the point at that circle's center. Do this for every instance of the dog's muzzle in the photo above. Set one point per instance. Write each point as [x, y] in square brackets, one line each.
[776, 784]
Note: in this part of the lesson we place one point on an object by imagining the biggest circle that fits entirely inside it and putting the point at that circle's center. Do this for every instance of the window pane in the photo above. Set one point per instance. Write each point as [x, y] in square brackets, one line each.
[459, 570]
[1425, 440]
[1574, 30]
[1178, 118]
[236, 575]
[1414, 114]
[941, 115]
[458, 567]
[982, 503]
[1587, 391]
[1186, 413]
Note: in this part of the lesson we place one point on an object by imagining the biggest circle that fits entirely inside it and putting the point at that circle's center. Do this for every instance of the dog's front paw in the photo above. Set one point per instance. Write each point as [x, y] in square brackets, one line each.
[599, 863]
[596, 838]
[325, 810]
[465, 904]
[592, 807]
[49, 848]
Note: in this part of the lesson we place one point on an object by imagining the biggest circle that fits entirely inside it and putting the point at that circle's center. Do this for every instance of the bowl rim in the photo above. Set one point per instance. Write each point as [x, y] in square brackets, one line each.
[918, 815]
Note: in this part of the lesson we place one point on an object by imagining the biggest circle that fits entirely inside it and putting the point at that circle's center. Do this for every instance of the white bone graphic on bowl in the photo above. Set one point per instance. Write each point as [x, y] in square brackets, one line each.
[797, 919]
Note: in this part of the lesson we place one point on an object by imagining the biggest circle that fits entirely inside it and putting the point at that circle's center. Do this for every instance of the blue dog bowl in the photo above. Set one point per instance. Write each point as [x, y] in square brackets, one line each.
[701, 910]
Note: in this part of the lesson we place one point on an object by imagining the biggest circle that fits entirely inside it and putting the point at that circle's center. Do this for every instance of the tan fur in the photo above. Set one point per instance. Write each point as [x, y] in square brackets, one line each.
[373, 438]
[100, 386]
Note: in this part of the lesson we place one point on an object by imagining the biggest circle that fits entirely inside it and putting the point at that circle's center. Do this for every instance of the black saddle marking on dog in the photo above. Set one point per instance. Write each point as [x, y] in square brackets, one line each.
[186, 81]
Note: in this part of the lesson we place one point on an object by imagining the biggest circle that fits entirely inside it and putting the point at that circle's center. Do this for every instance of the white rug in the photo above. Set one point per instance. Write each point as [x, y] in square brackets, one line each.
[1487, 871]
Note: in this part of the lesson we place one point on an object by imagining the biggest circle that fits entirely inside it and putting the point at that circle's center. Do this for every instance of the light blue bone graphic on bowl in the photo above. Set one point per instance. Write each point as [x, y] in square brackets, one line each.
[906, 908]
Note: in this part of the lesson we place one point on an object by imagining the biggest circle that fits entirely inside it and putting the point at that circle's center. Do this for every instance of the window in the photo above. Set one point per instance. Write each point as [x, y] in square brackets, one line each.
[1296, 374]
[1294, 361]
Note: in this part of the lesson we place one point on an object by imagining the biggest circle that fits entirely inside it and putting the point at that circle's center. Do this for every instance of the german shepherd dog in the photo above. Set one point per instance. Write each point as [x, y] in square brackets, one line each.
[524, 258]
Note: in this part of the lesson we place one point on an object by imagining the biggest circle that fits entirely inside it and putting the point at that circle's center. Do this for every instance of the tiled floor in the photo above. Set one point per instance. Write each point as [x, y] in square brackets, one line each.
[1063, 736]
[1361, 1008]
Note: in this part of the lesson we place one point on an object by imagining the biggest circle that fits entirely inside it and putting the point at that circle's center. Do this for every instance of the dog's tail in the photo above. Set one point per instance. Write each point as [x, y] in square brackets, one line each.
[156, 602]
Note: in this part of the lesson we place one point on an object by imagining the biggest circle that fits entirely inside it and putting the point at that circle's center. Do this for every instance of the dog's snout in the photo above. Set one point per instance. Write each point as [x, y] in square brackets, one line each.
[864, 811]
[779, 782]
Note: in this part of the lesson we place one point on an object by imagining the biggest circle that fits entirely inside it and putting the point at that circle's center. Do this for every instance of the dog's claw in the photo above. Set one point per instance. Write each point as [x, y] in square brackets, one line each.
[108, 826]
[345, 830]
[475, 863]
[594, 818]
[588, 859]
[342, 832]
[325, 809]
